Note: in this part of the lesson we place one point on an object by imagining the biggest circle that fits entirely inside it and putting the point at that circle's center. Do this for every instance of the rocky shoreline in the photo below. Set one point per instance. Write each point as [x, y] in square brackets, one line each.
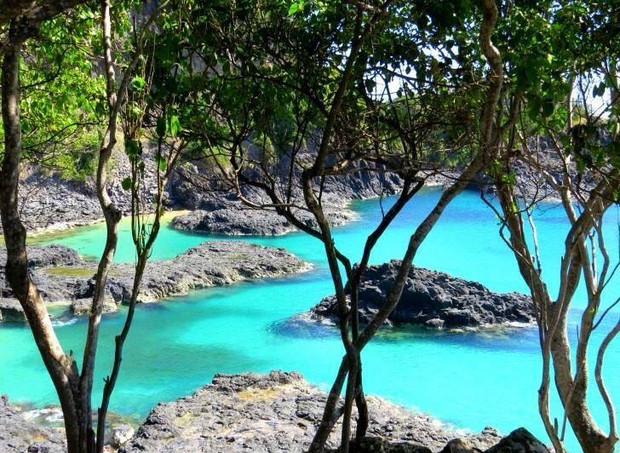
[19, 434]
[263, 413]
[64, 277]
[277, 412]
[430, 298]
[237, 220]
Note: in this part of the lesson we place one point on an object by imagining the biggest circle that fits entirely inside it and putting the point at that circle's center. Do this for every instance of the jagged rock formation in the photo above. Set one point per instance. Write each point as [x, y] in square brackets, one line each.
[62, 276]
[262, 413]
[273, 413]
[430, 298]
[237, 220]
[18, 434]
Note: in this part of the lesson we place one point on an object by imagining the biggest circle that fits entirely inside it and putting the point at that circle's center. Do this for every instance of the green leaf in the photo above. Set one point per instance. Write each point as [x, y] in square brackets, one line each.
[548, 107]
[174, 125]
[296, 7]
[161, 163]
[138, 83]
[126, 183]
[132, 148]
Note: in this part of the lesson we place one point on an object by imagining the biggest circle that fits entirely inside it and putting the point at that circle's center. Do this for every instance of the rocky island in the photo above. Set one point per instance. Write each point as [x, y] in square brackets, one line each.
[430, 298]
[237, 220]
[63, 276]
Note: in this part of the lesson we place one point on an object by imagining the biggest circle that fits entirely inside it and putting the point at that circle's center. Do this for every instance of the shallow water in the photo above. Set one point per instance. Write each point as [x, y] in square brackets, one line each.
[468, 379]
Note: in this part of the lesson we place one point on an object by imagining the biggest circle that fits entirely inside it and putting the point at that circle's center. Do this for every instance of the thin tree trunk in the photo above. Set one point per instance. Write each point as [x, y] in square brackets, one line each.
[61, 368]
[573, 397]
[362, 407]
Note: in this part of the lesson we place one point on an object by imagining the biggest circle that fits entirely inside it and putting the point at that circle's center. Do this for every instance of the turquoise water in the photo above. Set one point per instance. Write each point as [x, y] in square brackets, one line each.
[469, 379]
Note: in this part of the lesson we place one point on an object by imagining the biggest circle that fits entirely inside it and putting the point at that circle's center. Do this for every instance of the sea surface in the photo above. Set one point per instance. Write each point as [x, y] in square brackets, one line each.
[466, 379]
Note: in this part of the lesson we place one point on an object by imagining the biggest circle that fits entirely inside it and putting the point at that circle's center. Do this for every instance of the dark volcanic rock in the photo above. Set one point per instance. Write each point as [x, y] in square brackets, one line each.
[66, 278]
[235, 220]
[11, 310]
[38, 258]
[17, 434]
[49, 201]
[519, 441]
[274, 413]
[210, 264]
[379, 445]
[430, 298]
[50, 255]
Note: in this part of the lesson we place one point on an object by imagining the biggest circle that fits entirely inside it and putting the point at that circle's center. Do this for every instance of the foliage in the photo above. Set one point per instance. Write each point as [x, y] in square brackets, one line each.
[62, 95]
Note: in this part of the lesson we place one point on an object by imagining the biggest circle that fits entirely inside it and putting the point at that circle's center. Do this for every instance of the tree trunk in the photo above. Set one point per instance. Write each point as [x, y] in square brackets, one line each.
[573, 396]
[62, 368]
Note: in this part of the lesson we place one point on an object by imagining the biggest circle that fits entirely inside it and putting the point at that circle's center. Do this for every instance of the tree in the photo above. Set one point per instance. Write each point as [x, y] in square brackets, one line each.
[288, 99]
[21, 22]
[560, 50]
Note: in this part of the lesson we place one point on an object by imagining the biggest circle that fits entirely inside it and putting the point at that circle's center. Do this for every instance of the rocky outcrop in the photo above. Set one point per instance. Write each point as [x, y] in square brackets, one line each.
[196, 186]
[67, 278]
[274, 413]
[236, 220]
[262, 413]
[233, 221]
[11, 310]
[47, 201]
[53, 256]
[520, 440]
[50, 255]
[430, 298]
[19, 434]
[210, 264]
[217, 213]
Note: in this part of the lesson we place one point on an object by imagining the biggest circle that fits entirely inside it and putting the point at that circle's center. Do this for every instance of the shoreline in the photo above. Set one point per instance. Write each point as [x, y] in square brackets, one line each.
[276, 412]
[64, 277]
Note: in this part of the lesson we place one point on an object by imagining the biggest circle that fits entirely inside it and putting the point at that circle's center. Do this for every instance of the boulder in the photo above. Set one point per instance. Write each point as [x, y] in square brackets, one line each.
[81, 307]
[237, 220]
[460, 446]
[430, 298]
[11, 310]
[519, 441]
[121, 435]
[379, 445]
[234, 222]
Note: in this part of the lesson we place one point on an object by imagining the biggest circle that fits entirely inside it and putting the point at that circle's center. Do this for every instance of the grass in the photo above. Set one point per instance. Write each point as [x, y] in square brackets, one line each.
[71, 271]
[258, 394]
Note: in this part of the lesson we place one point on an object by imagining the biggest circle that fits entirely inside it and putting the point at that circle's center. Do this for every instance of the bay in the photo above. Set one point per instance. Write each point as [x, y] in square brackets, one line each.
[467, 379]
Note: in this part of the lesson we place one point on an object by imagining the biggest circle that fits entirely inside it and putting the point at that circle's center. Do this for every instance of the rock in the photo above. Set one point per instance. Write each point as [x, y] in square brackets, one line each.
[277, 412]
[519, 441]
[18, 434]
[208, 264]
[50, 255]
[237, 220]
[233, 221]
[11, 310]
[432, 299]
[81, 307]
[121, 435]
[379, 445]
[460, 446]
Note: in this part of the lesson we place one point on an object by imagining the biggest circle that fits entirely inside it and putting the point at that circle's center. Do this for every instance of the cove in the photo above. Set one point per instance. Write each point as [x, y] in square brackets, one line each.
[468, 379]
